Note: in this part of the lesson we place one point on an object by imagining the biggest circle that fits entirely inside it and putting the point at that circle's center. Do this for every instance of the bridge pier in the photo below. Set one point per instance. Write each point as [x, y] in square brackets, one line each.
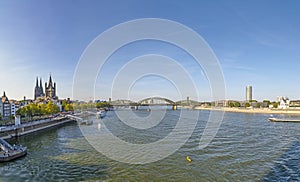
[174, 107]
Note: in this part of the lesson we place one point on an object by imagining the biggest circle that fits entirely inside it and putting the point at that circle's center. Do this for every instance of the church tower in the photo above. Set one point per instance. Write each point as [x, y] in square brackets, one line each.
[41, 88]
[38, 90]
[50, 89]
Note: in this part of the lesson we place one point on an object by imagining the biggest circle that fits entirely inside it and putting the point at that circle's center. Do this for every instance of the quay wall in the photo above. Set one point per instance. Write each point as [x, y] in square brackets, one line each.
[23, 129]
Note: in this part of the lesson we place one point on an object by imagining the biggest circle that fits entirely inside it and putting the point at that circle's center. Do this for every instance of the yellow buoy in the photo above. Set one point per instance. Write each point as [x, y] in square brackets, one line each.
[188, 159]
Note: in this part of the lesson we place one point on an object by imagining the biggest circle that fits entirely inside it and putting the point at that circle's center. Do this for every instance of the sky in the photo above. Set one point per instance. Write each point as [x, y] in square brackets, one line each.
[256, 43]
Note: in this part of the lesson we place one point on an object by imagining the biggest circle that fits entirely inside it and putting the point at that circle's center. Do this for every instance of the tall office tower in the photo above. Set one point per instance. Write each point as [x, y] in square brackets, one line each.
[248, 93]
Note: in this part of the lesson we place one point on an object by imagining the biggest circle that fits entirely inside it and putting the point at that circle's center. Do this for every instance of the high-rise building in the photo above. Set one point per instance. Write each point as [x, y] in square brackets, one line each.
[248, 93]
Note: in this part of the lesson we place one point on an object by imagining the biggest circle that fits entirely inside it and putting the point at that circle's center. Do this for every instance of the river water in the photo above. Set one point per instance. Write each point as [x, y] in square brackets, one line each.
[247, 147]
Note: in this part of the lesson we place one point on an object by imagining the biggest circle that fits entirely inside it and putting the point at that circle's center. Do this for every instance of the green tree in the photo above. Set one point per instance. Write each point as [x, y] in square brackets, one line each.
[51, 108]
[258, 105]
[64, 103]
[34, 110]
[267, 101]
[28, 110]
[247, 104]
[21, 112]
[68, 107]
[237, 104]
[41, 108]
[102, 105]
[231, 104]
[275, 104]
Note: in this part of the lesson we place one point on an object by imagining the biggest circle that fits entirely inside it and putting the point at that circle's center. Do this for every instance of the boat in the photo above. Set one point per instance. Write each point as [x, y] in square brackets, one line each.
[283, 120]
[101, 114]
[9, 152]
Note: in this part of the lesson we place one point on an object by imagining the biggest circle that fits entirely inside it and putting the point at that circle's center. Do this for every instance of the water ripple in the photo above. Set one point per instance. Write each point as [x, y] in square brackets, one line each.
[246, 148]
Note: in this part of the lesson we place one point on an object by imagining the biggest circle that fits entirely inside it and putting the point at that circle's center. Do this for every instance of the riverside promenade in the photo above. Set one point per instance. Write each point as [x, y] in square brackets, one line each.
[11, 131]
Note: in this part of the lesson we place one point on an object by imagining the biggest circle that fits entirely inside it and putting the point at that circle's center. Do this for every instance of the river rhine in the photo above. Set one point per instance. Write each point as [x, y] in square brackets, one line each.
[247, 147]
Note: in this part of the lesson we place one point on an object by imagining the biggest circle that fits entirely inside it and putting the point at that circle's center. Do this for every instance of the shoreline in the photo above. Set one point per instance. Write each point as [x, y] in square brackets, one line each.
[252, 110]
[24, 129]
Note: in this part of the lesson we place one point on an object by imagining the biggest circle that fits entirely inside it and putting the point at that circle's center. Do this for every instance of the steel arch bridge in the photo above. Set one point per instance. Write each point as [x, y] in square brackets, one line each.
[150, 101]
[156, 101]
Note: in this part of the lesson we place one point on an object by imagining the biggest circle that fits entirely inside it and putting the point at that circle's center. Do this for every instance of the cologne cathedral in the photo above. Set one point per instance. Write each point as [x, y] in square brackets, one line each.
[50, 90]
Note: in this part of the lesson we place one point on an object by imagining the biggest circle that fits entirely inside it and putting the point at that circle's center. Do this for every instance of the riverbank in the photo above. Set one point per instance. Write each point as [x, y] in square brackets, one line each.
[30, 127]
[252, 110]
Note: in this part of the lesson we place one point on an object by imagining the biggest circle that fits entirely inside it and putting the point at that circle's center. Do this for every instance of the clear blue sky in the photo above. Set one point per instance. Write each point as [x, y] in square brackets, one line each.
[256, 42]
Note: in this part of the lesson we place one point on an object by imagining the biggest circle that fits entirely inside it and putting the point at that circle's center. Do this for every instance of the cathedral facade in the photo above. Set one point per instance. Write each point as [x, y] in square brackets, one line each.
[50, 90]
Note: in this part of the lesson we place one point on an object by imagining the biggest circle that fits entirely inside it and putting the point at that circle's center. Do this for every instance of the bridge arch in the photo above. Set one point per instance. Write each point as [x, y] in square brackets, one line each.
[150, 101]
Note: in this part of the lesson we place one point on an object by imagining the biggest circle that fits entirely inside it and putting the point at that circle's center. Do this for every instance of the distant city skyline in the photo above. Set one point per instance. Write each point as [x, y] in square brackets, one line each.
[257, 43]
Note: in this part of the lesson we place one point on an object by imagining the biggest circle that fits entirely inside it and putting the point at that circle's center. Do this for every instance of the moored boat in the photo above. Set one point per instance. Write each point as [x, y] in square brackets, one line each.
[284, 120]
[101, 114]
[8, 152]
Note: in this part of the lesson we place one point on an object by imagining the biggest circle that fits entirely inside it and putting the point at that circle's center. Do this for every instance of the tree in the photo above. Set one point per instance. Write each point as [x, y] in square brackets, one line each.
[20, 112]
[42, 109]
[267, 101]
[51, 108]
[102, 105]
[247, 104]
[231, 104]
[28, 110]
[275, 104]
[68, 107]
[33, 109]
[258, 105]
[237, 104]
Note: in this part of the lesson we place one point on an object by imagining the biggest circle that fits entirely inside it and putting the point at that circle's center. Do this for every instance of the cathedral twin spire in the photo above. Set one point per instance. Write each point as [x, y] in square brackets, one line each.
[50, 90]
[38, 91]
[37, 85]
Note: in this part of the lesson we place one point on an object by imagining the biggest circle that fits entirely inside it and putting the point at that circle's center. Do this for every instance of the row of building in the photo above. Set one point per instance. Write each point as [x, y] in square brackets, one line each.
[8, 108]
[281, 103]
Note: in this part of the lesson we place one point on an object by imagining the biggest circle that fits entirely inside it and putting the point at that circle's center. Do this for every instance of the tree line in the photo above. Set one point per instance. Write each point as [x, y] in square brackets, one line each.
[38, 109]
[90, 105]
